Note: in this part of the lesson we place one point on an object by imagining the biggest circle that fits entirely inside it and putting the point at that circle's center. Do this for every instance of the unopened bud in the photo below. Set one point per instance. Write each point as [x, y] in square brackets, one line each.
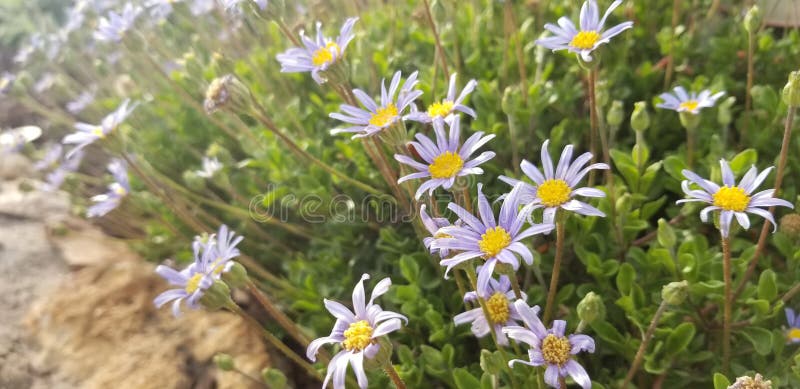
[752, 20]
[615, 114]
[216, 297]
[791, 92]
[274, 378]
[226, 92]
[675, 293]
[790, 225]
[640, 119]
[724, 115]
[591, 308]
[224, 362]
[236, 275]
[689, 120]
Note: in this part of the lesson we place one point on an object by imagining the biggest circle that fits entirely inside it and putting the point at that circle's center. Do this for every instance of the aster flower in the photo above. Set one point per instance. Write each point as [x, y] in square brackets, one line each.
[499, 302]
[357, 331]
[446, 159]
[13, 140]
[375, 118]
[89, 133]
[201, 7]
[446, 108]
[551, 347]
[117, 190]
[210, 167]
[113, 27]
[6, 82]
[681, 101]
[494, 241]
[161, 9]
[793, 334]
[81, 102]
[731, 199]
[589, 37]
[192, 282]
[232, 5]
[318, 54]
[56, 177]
[223, 249]
[433, 225]
[756, 382]
[50, 158]
[556, 188]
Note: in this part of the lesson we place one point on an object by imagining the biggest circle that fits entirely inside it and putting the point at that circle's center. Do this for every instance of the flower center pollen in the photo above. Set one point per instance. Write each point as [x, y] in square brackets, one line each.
[384, 116]
[555, 350]
[553, 192]
[98, 132]
[793, 334]
[441, 109]
[446, 165]
[731, 198]
[585, 40]
[690, 105]
[325, 55]
[358, 336]
[497, 305]
[493, 241]
[193, 283]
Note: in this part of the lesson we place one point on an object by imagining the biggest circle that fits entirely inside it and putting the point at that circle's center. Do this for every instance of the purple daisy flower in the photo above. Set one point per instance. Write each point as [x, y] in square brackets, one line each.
[550, 347]
[89, 133]
[56, 177]
[502, 312]
[81, 102]
[589, 37]
[192, 282]
[318, 54]
[793, 334]
[113, 27]
[357, 332]
[556, 188]
[50, 158]
[375, 118]
[433, 225]
[446, 159]
[223, 249]
[681, 101]
[446, 109]
[494, 241]
[731, 199]
[117, 190]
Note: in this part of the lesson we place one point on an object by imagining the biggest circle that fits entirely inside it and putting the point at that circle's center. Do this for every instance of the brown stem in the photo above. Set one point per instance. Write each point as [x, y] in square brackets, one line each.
[748, 99]
[551, 291]
[653, 234]
[637, 360]
[726, 323]
[392, 373]
[284, 321]
[439, 49]
[676, 6]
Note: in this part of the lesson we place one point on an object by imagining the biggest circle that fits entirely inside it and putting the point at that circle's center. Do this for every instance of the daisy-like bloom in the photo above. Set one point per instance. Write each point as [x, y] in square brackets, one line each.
[191, 282]
[210, 167]
[731, 199]
[433, 225]
[113, 27]
[589, 37]
[793, 334]
[493, 240]
[6, 82]
[50, 158]
[117, 190]
[551, 347]
[681, 101]
[499, 302]
[15, 139]
[233, 5]
[81, 102]
[318, 54]
[89, 133]
[161, 9]
[447, 107]
[357, 332]
[446, 159]
[556, 188]
[747, 382]
[56, 177]
[223, 248]
[375, 118]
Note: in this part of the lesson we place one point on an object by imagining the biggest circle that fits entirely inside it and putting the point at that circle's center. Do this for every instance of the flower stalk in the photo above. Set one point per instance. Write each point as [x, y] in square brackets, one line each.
[637, 360]
[726, 320]
[553, 289]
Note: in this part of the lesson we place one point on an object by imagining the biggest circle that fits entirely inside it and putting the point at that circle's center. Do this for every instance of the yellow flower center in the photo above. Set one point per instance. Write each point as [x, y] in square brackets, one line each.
[325, 55]
[731, 198]
[440, 109]
[384, 115]
[553, 192]
[497, 305]
[217, 266]
[793, 334]
[493, 241]
[555, 350]
[98, 132]
[446, 165]
[690, 105]
[358, 336]
[119, 189]
[585, 40]
[194, 283]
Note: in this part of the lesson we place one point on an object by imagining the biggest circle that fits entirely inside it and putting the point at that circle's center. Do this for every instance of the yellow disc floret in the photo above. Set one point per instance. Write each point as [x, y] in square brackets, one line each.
[793, 334]
[585, 40]
[497, 307]
[553, 192]
[690, 105]
[493, 241]
[193, 283]
[325, 55]
[358, 336]
[98, 132]
[555, 350]
[440, 109]
[731, 198]
[446, 165]
[384, 115]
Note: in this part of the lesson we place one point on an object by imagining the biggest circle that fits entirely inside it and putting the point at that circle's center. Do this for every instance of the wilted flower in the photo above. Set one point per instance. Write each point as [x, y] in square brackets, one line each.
[447, 107]
[357, 331]
[746, 382]
[731, 199]
[556, 189]
[681, 101]
[89, 133]
[550, 347]
[499, 304]
[446, 159]
[375, 118]
[226, 91]
[318, 54]
[210, 167]
[117, 190]
[589, 37]
[433, 225]
[113, 27]
[793, 333]
[494, 241]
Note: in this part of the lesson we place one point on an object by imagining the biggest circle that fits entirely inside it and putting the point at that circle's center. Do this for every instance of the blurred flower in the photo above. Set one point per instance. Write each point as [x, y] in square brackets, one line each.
[357, 333]
[160, 9]
[485, 238]
[50, 158]
[732, 200]
[89, 133]
[793, 334]
[45, 82]
[113, 27]
[81, 102]
[117, 190]
[318, 54]
[232, 5]
[591, 34]
[445, 109]
[223, 248]
[56, 177]
[210, 167]
[551, 347]
[375, 118]
[747, 382]
[433, 225]
[446, 159]
[556, 189]
[192, 281]
[681, 101]
[201, 7]
[13, 140]
[6, 82]
[502, 312]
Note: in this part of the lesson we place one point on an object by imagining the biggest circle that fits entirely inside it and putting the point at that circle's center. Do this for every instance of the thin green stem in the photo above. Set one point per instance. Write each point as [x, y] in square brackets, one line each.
[553, 289]
[439, 49]
[748, 99]
[726, 323]
[637, 360]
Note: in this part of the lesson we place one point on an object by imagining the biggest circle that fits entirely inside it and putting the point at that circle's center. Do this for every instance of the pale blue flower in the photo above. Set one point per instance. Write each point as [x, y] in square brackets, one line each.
[113, 27]
[498, 298]
[117, 190]
[446, 108]
[793, 333]
[89, 133]
[318, 54]
[55, 178]
[681, 101]
[81, 102]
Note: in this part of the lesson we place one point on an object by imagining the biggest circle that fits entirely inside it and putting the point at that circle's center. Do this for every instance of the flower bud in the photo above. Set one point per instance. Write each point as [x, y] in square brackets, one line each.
[640, 119]
[591, 308]
[752, 20]
[236, 276]
[724, 116]
[226, 92]
[216, 297]
[791, 92]
[689, 120]
[274, 378]
[675, 293]
[615, 114]
[224, 362]
[790, 225]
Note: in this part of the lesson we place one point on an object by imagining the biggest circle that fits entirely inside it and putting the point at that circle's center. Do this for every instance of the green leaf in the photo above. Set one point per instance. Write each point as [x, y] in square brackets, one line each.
[409, 268]
[625, 278]
[743, 160]
[720, 381]
[465, 380]
[673, 166]
[767, 288]
[760, 338]
[666, 234]
[679, 339]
